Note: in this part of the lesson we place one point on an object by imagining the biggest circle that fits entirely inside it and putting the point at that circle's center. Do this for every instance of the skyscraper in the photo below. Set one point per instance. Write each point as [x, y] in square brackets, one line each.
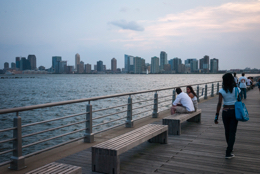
[100, 66]
[17, 62]
[80, 67]
[214, 65]
[88, 68]
[77, 61]
[137, 65]
[154, 65]
[176, 64]
[163, 59]
[55, 63]
[13, 65]
[32, 60]
[192, 64]
[204, 64]
[62, 67]
[129, 64]
[113, 65]
[25, 64]
[6, 65]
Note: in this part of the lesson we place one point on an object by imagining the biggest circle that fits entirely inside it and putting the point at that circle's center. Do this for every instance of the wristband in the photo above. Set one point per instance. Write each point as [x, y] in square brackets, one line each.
[217, 114]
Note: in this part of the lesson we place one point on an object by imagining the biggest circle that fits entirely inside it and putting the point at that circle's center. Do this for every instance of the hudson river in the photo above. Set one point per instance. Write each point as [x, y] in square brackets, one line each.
[54, 88]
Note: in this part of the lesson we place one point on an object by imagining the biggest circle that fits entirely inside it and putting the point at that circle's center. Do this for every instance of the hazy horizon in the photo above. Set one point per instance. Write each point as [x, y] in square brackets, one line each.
[100, 30]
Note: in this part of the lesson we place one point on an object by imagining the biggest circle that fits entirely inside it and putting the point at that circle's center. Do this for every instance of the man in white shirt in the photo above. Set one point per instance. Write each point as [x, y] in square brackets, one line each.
[182, 103]
[242, 85]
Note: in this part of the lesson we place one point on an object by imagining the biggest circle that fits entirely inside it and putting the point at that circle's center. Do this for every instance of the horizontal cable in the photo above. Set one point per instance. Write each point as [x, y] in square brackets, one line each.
[164, 101]
[143, 101]
[43, 150]
[142, 112]
[164, 96]
[7, 140]
[52, 138]
[108, 128]
[54, 119]
[53, 129]
[108, 115]
[143, 106]
[12, 128]
[109, 121]
[6, 162]
[1, 153]
[108, 108]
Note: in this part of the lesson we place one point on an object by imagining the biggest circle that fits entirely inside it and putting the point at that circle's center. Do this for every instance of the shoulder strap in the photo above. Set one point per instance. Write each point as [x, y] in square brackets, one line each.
[236, 93]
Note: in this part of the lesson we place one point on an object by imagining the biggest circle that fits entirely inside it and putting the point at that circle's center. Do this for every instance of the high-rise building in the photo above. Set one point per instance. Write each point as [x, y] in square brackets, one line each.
[155, 65]
[100, 66]
[113, 65]
[137, 65]
[104, 67]
[17, 61]
[143, 66]
[32, 60]
[95, 67]
[80, 67]
[13, 66]
[129, 64]
[62, 67]
[25, 64]
[214, 65]
[170, 62]
[88, 68]
[77, 61]
[163, 59]
[192, 64]
[55, 63]
[167, 68]
[204, 64]
[176, 65]
[6, 65]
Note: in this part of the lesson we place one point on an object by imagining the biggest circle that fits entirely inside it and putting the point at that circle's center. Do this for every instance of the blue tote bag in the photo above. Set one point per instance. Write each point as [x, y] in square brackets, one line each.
[240, 109]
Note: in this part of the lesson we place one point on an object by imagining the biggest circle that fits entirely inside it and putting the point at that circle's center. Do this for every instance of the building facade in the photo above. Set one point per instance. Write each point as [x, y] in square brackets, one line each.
[55, 63]
[204, 64]
[113, 65]
[6, 65]
[129, 64]
[17, 62]
[214, 65]
[100, 66]
[32, 60]
[77, 61]
[163, 59]
[155, 65]
[88, 68]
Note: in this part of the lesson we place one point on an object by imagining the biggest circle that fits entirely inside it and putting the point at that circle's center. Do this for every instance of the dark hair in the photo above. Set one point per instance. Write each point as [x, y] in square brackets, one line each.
[228, 82]
[235, 74]
[192, 91]
[178, 90]
[243, 74]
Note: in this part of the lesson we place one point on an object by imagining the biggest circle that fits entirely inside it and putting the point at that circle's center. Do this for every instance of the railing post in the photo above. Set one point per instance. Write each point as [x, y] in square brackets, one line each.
[88, 136]
[217, 88]
[212, 90]
[206, 92]
[198, 93]
[155, 106]
[129, 122]
[173, 96]
[17, 158]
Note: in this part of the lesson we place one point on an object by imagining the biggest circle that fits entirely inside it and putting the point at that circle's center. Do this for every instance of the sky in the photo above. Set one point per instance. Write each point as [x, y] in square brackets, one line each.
[228, 30]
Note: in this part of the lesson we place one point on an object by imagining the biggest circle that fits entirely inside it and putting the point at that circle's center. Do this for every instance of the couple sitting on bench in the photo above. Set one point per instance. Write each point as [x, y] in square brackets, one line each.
[185, 103]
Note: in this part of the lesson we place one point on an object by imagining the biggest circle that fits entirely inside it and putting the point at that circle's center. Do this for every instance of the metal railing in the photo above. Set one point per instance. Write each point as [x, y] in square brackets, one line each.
[125, 114]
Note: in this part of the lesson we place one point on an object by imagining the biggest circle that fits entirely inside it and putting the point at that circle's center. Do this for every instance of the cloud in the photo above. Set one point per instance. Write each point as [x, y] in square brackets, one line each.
[132, 25]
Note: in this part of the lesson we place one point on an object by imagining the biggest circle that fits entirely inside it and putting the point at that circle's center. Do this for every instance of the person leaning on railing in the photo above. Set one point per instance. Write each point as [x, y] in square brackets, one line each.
[227, 93]
[182, 103]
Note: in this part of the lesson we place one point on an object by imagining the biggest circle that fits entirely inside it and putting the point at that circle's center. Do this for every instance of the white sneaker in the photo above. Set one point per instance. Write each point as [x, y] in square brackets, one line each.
[230, 156]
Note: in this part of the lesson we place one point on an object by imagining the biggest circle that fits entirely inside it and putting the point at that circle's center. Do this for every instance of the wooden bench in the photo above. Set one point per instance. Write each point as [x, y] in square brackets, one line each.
[105, 156]
[54, 168]
[174, 121]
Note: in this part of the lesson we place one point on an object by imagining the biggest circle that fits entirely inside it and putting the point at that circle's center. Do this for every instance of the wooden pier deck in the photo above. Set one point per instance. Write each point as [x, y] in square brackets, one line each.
[199, 149]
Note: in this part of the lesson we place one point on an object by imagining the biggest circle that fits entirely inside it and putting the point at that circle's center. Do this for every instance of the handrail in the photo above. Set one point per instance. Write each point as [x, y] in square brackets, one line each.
[26, 108]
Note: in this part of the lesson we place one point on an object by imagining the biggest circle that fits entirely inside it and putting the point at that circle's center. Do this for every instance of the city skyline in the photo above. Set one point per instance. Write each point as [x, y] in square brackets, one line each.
[226, 29]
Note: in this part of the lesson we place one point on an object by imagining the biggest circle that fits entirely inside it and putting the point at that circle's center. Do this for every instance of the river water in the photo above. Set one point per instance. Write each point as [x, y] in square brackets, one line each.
[49, 88]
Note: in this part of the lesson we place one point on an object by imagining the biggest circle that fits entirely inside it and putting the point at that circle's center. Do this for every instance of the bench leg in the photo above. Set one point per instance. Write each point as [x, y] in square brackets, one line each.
[196, 119]
[105, 161]
[161, 138]
[174, 126]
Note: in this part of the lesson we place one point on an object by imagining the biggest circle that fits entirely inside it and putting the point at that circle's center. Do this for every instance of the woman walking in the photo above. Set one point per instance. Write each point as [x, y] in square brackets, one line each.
[227, 93]
[193, 96]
